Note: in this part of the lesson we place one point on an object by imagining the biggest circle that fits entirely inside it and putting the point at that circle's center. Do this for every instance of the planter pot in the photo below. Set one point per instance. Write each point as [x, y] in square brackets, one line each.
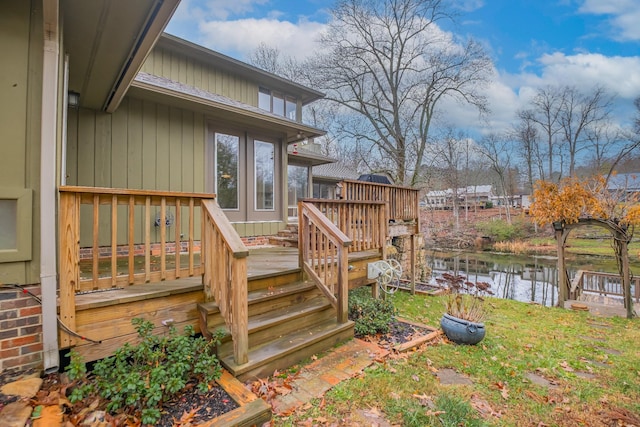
[462, 331]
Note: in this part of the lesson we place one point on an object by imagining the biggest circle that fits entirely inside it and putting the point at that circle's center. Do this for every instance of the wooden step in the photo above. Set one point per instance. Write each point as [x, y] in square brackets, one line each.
[285, 351]
[281, 322]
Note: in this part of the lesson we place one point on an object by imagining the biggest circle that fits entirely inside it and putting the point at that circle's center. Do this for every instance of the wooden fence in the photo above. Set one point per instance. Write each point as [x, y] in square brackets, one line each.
[604, 284]
[402, 201]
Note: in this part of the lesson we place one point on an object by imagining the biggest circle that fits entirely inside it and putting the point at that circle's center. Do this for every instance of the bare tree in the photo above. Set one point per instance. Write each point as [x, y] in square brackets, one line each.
[270, 59]
[498, 152]
[580, 112]
[526, 133]
[389, 63]
[545, 111]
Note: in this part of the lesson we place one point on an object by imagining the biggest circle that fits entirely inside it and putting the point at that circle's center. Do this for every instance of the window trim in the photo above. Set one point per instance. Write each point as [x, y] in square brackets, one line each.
[23, 224]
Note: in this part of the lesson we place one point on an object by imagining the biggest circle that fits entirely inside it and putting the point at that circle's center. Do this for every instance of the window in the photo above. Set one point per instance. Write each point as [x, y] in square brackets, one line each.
[226, 186]
[264, 99]
[15, 224]
[265, 172]
[290, 108]
[277, 103]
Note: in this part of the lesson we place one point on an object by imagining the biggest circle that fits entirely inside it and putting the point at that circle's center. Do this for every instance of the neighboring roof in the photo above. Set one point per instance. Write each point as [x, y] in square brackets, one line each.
[439, 193]
[107, 42]
[307, 155]
[476, 189]
[624, 181]
[334, 171]
[186, 93]
[371, 177]
[262, 77]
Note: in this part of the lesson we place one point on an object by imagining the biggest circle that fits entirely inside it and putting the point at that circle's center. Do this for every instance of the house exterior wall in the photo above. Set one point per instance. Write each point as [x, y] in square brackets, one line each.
[142, 145]
[178, 67]
[21, 80]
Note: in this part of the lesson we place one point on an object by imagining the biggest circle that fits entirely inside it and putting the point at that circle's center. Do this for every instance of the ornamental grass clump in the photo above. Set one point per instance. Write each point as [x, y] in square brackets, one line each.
[465, 299]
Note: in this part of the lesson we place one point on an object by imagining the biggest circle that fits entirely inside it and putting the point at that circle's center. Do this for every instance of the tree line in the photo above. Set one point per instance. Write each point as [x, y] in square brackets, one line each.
[391, 72]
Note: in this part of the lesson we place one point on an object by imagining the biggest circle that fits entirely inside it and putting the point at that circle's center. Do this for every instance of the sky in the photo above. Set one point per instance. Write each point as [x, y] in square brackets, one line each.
[533, 43]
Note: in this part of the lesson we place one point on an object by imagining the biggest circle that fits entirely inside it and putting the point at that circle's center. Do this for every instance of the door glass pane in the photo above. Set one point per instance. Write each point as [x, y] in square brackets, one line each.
[298, 187]
[265, 169]
[227, 170]
[8, 224]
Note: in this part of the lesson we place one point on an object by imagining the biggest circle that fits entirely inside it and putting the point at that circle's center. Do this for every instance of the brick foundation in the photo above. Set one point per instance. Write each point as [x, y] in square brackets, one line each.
[20, 329]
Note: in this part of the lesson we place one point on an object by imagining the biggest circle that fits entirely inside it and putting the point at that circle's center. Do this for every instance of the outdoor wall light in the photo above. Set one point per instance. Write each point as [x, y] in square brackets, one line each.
[73, 99]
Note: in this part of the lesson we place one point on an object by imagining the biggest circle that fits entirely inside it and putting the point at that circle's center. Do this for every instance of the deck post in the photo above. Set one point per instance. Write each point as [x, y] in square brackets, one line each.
[239, 308]
[69, 257]
[562, 276]
[626, 278]
[343, 285]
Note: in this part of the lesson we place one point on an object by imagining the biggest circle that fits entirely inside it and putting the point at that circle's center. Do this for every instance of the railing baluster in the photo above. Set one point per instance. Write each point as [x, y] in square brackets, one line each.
[178, 243]
[163, 238]
[147, 239]
[131, 236]
[114, 240]
[96, 236]
[191, 233]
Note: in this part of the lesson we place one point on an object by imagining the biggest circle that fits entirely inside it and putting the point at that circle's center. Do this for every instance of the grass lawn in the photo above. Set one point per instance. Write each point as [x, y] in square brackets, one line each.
[578, 246]
[562, 346]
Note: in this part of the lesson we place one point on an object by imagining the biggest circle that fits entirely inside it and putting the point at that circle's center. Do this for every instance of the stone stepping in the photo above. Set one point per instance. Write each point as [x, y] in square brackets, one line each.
[599, 325]
[596, 363]
[610, 351]
[586, 375]
[540, 380]
[451, 377]
[584, 337]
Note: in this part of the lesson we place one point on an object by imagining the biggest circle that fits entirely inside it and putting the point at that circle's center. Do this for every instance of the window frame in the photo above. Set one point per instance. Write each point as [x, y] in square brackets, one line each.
[23, 224]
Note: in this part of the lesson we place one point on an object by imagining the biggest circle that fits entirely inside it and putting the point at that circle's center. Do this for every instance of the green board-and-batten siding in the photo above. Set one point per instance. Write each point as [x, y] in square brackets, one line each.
[21, 45]
[181, 68]
[143, 145]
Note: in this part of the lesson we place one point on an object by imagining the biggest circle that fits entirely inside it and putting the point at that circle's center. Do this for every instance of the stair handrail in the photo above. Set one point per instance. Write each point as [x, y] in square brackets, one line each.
[323, 251]
[224, 258]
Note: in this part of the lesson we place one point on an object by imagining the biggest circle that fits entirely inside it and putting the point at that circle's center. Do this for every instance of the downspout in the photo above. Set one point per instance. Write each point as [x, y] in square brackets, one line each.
[49, 135]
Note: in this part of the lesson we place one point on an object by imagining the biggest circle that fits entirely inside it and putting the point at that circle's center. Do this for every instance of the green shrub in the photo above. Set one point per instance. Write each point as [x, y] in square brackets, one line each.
[371, 316]
[140, 378]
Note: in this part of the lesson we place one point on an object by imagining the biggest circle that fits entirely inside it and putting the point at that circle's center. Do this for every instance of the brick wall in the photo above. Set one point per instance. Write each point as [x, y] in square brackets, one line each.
[20, 329]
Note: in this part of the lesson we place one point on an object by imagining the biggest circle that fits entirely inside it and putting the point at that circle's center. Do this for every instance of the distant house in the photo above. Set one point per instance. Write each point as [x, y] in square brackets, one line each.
[628, 183]
[473, 195]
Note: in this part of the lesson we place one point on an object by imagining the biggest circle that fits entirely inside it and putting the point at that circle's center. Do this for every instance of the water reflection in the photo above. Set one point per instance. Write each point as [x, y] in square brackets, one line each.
[528, 279]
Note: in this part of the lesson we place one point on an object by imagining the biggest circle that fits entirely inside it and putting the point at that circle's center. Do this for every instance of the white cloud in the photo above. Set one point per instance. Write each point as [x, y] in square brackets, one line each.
[241, 37]
[624, 16]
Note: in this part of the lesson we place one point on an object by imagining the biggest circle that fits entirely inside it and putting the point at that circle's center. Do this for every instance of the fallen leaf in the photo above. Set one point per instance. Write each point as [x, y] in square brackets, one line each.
[415, 377]
[431, 413]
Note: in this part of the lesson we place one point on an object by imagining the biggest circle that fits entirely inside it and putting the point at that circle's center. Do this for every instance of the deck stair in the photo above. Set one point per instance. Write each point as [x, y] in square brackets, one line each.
[287, 323]
[287, 237]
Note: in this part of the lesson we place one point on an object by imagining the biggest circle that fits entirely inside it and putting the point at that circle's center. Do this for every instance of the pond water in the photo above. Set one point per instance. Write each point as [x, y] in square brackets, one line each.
[521, 278]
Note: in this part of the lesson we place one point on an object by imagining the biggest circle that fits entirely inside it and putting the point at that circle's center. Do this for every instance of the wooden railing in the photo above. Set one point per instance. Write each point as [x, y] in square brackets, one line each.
[117, 227]
[402, 201]
[323, 252]
[604, 284]
[363, 222]
[225, 275]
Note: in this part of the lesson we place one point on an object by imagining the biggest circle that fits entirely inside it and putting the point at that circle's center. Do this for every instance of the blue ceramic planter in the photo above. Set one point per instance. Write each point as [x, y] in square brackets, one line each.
[462, 331]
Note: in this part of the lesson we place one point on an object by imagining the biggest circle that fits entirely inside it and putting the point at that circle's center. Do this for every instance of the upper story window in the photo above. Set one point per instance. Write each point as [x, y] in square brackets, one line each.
[277, 103]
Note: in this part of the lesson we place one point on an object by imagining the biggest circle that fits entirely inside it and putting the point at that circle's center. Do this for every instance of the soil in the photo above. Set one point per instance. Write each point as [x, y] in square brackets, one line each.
[189, 407]
[399, 333]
